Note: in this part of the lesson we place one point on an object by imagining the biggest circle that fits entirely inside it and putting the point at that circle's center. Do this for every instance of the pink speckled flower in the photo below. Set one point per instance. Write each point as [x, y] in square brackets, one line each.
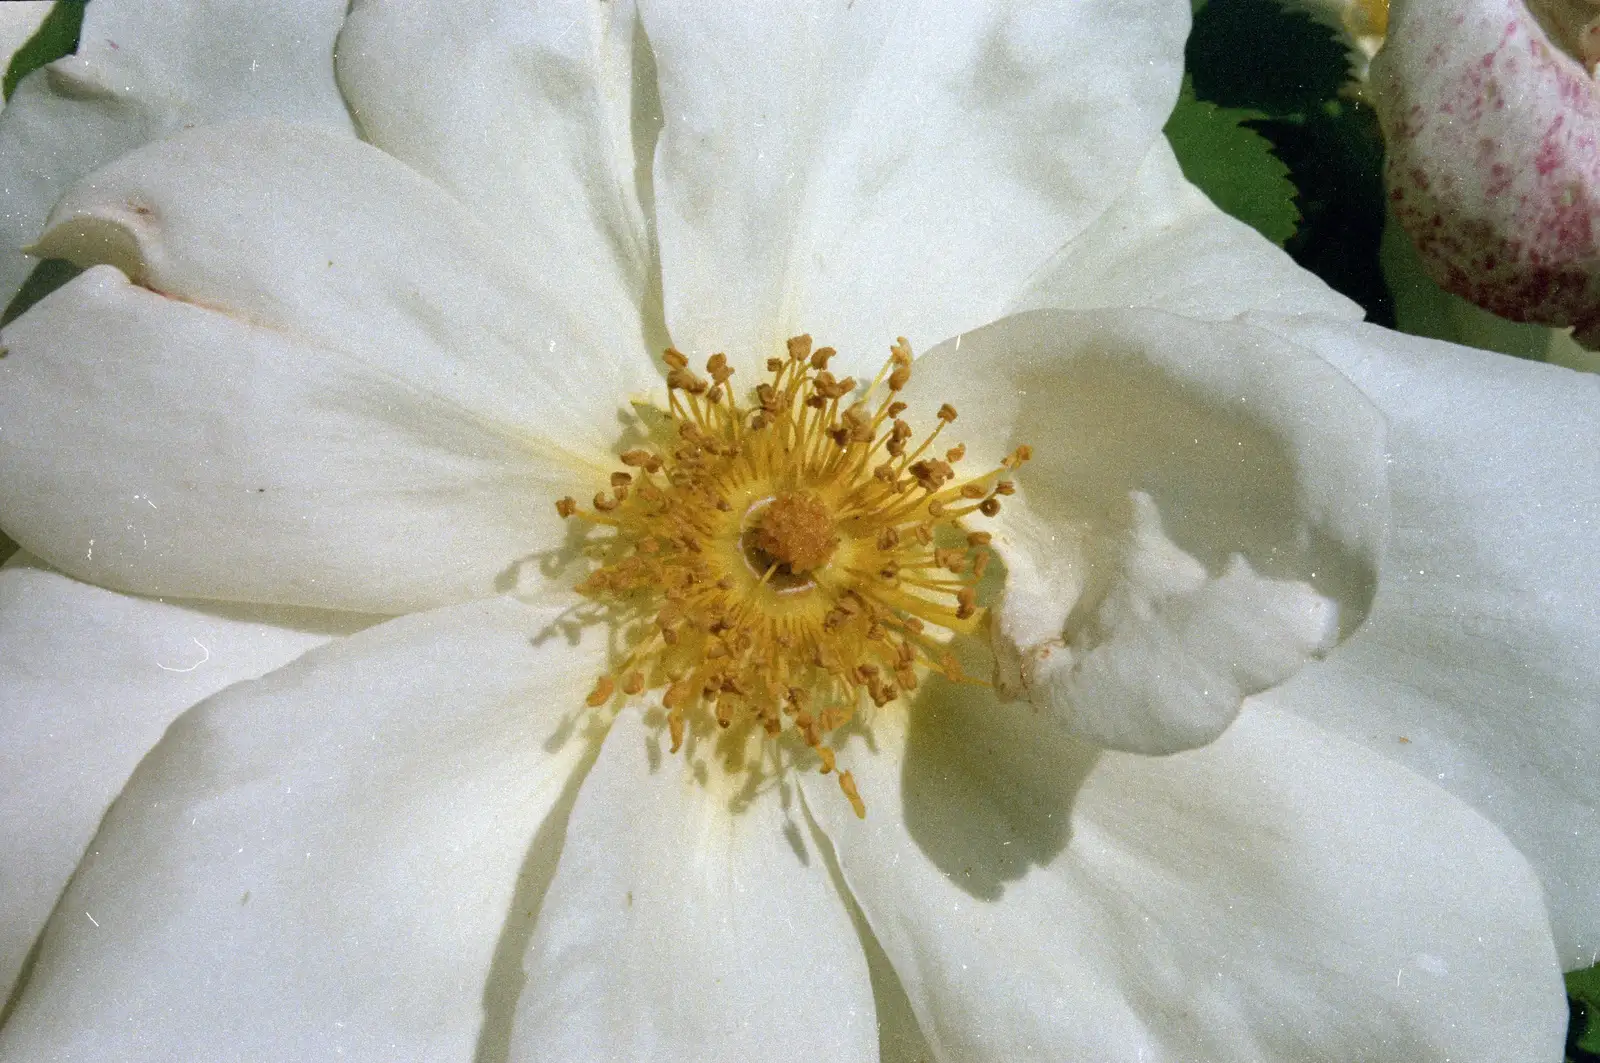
[1492, 114]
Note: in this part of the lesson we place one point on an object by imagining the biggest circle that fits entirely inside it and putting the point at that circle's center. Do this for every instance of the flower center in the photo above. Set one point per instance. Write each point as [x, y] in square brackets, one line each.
[778, 566]
[791, 534]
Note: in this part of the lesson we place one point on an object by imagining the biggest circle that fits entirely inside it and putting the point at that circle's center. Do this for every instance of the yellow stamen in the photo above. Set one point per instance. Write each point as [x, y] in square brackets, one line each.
[847, 783]
[780, 565]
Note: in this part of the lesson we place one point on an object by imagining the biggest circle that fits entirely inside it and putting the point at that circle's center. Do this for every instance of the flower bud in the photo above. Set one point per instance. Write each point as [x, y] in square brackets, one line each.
[1492, 118]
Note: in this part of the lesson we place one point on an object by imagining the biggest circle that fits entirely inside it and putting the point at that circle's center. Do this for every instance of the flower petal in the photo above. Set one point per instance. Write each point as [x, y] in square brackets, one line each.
[89, 680]
[241, 218]
[677, 927]
[378, 414]
[143, 71]
[523, 113]
[1280, 894]
[858, 170]
[319, 863]
[1164, 245]
[1203, 513]
[1480, 665]
[200, 456]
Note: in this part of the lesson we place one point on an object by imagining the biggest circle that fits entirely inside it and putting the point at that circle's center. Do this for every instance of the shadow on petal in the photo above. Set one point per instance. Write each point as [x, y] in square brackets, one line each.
[1224, 479]
[988, 786]
[503, 988]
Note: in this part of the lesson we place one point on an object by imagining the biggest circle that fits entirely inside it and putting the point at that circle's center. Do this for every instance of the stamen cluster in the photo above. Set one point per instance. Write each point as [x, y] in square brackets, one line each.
[781, 563]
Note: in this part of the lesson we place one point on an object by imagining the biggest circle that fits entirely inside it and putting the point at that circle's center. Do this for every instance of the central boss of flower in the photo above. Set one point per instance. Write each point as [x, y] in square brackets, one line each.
[775, 564]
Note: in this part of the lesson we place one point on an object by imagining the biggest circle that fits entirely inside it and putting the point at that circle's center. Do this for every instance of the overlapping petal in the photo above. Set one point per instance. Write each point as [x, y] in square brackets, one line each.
[1203, 515]
[143, 71]
[1281, 894]
[688, 917]
[375, 413]
[320, 862]
[1480, 664]
[526, 114]
[1163, 245]
[89, 679]
[863, 170]
[373, 384]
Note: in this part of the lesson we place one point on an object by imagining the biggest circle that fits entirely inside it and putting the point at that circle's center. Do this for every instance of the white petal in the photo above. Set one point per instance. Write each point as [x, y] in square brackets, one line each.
[688, 920]
[143, 71]
[523, 114]
[201, 457]
[1279, 895]
[1480, 664]
[319, 863]
[1203, 513]
[861, 170]
[88, 681]
[290, 227]
[379, 415]
[1164, 245]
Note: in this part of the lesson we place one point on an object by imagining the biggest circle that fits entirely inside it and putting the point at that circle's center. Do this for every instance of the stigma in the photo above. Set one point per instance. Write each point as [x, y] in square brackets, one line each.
[790, 563]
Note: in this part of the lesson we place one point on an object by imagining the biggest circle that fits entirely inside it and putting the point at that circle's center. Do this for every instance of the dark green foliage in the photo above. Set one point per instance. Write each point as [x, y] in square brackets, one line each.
[57, 36]
[1583, 1035]
[1254, 54]
[1233, 164]
[1335, 158]
[1283, 76]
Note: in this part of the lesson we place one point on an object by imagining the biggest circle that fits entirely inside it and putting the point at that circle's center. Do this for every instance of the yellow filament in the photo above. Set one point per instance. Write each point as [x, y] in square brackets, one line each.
[779, 564]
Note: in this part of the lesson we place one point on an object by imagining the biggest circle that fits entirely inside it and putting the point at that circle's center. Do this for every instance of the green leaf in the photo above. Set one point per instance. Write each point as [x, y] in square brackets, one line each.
[1584, 988]
[1255, 54]
[1335, 159]
[57, 36]
[1232, 164]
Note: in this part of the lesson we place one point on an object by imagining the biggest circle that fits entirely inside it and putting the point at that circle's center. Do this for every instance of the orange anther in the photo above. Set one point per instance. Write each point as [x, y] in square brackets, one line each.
[716, 527]
[601, 692]
[847, 783]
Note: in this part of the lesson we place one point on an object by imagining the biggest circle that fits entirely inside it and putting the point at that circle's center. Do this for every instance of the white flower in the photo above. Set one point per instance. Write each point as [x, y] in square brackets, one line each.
[320, 379]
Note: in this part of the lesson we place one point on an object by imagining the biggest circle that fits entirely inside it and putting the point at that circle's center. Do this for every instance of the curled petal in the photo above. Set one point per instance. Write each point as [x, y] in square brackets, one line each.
[143, 71]
[1204, 513]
